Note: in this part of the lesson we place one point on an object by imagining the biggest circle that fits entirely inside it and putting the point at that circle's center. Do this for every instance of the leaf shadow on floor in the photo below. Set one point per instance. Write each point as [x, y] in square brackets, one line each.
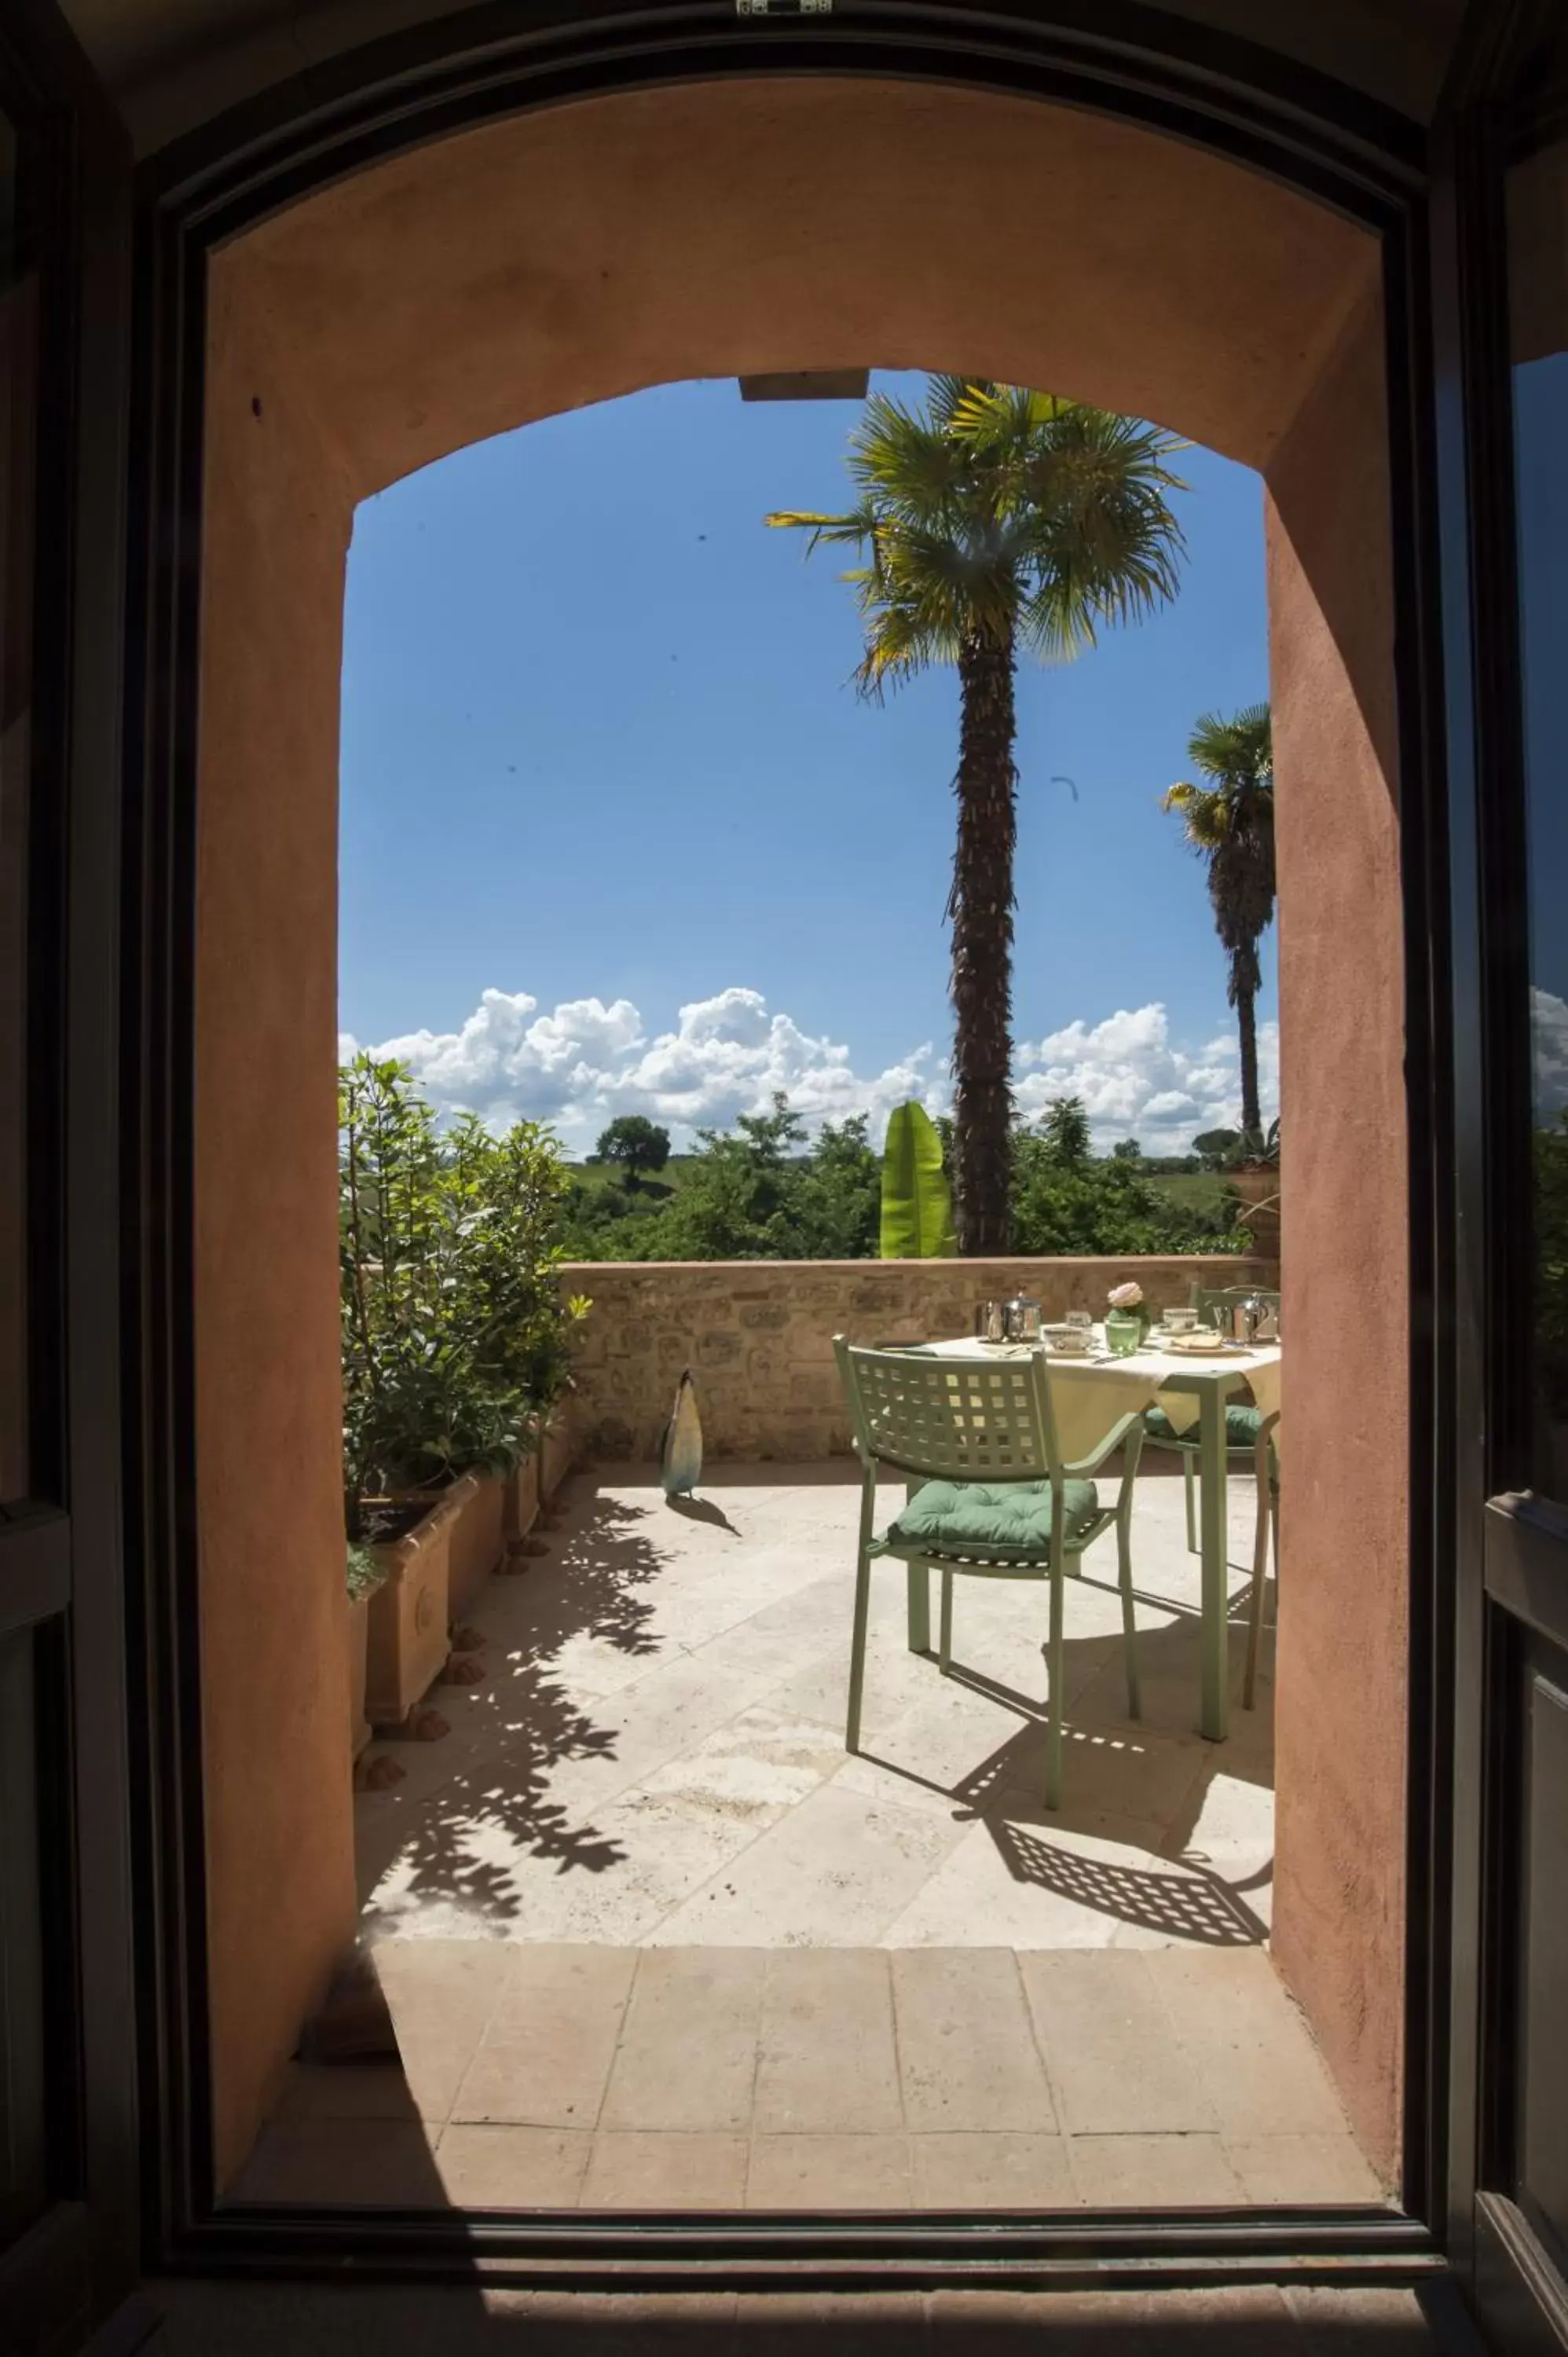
[449, 1829]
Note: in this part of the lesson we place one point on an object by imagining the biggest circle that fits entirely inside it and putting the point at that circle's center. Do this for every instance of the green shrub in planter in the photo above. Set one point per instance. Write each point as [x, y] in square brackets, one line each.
[454, 1330]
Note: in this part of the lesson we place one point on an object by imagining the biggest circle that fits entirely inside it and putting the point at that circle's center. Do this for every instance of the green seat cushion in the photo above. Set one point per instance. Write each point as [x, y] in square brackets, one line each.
[999, 1521]
[1241, 1428]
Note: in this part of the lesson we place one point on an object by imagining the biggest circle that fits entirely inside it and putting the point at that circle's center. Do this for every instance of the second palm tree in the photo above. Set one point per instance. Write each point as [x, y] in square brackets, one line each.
[995, 520]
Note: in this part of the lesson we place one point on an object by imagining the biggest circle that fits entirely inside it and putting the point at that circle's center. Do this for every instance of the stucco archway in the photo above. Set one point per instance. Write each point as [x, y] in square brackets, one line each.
[566, 256]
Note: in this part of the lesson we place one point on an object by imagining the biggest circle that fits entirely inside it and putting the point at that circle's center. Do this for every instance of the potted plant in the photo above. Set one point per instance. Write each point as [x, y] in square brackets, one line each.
[453, 1330]
[1253, 1176]
[365, 1573]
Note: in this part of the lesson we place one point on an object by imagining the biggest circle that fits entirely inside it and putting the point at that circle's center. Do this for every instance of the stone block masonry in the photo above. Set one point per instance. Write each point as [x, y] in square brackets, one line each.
[757, 1335]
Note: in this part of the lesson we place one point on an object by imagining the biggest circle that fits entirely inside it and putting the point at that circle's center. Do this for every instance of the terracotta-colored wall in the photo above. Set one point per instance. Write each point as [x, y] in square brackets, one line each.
[1342, 1664]
[567, 257]
[274, 1628]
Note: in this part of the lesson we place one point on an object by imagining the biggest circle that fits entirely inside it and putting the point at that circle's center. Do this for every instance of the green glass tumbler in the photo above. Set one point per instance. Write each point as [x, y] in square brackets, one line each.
[1124, 1332]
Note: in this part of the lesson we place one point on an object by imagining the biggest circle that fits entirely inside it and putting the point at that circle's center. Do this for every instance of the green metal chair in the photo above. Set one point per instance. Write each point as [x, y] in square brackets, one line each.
[1241, 1423]
[1267, 1470]
[989, 1496]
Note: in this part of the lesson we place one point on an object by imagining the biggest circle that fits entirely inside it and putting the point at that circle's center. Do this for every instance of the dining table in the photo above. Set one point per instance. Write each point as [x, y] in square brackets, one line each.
[1091, 1391]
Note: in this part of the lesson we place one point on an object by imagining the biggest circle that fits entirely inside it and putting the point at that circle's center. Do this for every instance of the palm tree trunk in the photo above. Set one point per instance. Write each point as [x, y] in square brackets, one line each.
[980, 909]
[1246, 1025]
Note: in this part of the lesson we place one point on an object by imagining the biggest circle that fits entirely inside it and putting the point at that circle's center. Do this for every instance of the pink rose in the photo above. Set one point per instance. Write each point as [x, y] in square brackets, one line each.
[1126, 1296]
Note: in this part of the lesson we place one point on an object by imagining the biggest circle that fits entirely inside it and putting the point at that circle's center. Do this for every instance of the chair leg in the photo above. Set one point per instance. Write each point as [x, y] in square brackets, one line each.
[1266, 1520]
[945, 1643]
[1055, 1670]
[1129, 1615]
[1192, 1545]
[858, 1650]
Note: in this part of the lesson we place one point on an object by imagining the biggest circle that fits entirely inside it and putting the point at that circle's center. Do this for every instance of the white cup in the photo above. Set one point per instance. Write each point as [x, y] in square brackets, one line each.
[1181, 1322]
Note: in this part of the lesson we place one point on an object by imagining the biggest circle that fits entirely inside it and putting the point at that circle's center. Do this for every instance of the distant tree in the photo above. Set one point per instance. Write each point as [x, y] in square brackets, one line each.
[1127, 1150]
[1230, 822]
[837, 1203]
[1066, 1131]
[637, 1143]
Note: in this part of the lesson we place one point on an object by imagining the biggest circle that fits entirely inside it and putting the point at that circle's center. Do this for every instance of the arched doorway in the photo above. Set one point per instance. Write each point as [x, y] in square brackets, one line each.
[520, 268]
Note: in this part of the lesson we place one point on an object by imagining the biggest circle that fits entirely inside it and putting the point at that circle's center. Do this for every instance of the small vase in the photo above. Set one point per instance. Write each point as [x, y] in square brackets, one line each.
[1124, 1332]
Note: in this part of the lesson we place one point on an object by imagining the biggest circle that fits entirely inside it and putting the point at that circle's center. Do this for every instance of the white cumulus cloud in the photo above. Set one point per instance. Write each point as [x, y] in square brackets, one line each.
[1137, 1082]
[580, 1064]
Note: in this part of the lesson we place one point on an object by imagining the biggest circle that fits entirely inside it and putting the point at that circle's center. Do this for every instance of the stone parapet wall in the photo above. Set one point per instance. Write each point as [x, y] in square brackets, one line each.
[757, 1335]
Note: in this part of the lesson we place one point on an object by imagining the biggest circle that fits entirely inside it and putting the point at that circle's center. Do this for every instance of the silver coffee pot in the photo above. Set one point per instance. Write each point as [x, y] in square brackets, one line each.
[1254, 1319]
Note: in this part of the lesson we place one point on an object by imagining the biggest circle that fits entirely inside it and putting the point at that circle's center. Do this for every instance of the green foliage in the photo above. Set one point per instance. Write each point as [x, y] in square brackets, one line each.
[1127, 1149]
[636, 1143]
[751, 1194]
[916, 1200]
[1240, 1149]
[1065, 1129]
[1067, 1200]
[838, 1194]
[1216, 1146]
[363, 1573]
[454, 1333]
[755, 1194]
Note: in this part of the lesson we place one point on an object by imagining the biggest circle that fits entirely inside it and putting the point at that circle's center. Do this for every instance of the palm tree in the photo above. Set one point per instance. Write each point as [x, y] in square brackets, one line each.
[994, 519]
[1230, 823]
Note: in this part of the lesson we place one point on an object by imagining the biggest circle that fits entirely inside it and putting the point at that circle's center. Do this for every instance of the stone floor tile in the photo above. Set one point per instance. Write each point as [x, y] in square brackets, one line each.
[1158, 2172]
[360, 2164]
[1111, 2054]
[1303, 2169]
[1064, 1889]
[547, 2054]
[687, 2057]
[1247, 2042]
[985, 2170]
[827, 2058]
[632, 2169]
[829, 2172]
[967, 2056]
[511, 2168]
[833, 1873]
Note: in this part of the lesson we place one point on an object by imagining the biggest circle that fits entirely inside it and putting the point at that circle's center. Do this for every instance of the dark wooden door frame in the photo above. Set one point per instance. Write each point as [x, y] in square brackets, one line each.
[82, 2258]
[1496, 109]
[1136, 63]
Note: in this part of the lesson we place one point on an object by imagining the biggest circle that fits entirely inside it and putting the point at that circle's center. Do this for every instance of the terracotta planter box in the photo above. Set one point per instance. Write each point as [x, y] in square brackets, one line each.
[478, 1541]
[1260, 1193]
[554, 1456]
[359, 1635]
[522, 1502]
[406, 1645]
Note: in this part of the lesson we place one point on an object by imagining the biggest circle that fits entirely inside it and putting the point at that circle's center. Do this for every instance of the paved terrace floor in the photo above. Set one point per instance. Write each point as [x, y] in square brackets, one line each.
[652, 1939]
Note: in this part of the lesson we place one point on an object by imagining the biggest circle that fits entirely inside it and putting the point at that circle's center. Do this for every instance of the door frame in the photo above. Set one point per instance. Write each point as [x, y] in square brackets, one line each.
[1237, 99]
[80, 2258]
[1491, 114]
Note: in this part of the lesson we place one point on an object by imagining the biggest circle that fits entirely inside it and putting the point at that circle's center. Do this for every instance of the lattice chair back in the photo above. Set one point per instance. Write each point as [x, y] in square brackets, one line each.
[951, 1419]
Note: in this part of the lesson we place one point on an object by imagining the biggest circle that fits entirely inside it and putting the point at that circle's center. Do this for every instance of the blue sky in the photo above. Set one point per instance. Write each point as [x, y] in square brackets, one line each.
[601, 763]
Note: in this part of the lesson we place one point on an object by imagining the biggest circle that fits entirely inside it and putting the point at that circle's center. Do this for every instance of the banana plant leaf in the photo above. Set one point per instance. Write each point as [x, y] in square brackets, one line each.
[917, 1206]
